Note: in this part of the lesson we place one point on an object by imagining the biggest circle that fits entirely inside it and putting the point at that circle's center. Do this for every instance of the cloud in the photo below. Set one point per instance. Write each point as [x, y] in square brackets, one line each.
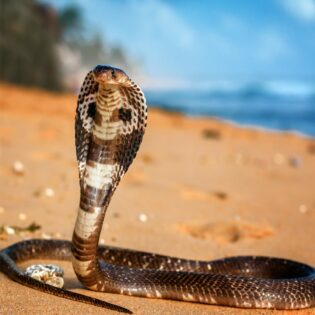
[151, 20]
[170, 22]
[301, 9]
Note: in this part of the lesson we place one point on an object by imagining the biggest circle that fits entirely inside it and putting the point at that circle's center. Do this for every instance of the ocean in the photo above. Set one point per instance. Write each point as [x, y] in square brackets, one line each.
[280, 106]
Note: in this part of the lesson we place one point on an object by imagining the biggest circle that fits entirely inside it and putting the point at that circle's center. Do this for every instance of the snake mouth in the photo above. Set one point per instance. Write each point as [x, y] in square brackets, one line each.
[108, 75]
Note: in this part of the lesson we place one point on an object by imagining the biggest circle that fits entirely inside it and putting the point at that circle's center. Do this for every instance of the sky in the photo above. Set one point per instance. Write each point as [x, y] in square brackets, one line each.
[178, 41]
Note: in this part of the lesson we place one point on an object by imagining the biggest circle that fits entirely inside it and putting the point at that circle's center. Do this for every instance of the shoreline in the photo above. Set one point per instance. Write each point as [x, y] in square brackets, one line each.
[166, 109]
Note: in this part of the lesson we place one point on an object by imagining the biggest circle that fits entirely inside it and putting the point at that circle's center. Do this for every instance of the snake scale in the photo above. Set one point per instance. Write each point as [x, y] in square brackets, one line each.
[109, 126]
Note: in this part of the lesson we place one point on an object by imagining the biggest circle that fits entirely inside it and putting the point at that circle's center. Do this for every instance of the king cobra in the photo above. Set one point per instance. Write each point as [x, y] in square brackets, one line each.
[109, 126]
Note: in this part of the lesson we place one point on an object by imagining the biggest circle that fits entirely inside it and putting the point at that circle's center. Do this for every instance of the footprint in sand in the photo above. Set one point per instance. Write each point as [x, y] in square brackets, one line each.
[211, 133]
[311, 148]
[226, 232]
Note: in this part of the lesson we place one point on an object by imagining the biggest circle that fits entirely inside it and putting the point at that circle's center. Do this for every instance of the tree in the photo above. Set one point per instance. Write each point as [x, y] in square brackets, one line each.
[27, 50]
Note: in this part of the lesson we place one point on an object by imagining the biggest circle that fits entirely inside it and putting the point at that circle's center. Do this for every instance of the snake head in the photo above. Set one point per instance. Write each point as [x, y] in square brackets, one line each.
[104, 74]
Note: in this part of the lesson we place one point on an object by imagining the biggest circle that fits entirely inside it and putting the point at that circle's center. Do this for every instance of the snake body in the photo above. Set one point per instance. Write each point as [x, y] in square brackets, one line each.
[109, 126]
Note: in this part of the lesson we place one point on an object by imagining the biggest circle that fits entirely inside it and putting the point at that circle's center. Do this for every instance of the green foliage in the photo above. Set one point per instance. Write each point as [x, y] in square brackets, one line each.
[27, 51]
[70, 21]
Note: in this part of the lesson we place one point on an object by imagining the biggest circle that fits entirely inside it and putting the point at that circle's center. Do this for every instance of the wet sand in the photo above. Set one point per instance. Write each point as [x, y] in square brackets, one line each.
[198, 189]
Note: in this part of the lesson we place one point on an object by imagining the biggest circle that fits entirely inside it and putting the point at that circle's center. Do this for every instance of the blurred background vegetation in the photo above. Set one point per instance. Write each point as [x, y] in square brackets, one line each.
[41, 46]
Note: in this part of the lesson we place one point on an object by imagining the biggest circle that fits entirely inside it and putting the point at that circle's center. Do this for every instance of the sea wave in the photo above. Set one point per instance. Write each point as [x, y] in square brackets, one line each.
[270, 89]
[274, 105]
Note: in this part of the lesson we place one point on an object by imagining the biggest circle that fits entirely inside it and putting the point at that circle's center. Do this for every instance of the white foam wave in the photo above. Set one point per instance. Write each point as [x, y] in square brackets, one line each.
[291, 89]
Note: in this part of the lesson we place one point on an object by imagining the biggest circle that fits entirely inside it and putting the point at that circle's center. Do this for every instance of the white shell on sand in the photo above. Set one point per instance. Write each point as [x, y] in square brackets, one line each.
[22, 216]
[18, 167]
[143, 217]
[50, 274]
[49, 192]
[303, 208]
[9, 230]
[46, 236]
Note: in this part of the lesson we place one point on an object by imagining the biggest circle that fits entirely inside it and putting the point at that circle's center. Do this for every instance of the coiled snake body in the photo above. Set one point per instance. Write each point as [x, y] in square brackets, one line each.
[109, 126]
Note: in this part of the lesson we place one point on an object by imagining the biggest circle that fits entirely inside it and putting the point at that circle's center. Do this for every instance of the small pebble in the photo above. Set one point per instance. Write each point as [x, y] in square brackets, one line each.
[22, 216]
[147, 158]
[220, 194]
[102, 241]
[210, 133]
[278, 159]
[50, 274]
[1, 210]
[295, 161]
[36, 193]
[143, 217]
[49, 192]
[18, 167]
[303, 208]
[46, 236]
[9, 230]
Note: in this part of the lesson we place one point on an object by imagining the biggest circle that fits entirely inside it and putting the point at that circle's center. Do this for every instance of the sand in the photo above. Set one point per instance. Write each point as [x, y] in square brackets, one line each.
[199, 189]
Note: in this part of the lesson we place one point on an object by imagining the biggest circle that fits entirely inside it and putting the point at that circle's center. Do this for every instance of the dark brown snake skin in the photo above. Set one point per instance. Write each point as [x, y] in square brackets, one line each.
[110, 123]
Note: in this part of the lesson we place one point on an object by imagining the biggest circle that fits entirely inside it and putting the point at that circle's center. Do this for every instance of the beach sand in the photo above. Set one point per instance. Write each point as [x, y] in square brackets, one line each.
[198, 189]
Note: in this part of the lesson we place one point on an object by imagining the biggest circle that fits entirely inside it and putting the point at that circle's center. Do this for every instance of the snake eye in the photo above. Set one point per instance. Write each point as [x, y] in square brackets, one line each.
[124, 114]
[113, 74]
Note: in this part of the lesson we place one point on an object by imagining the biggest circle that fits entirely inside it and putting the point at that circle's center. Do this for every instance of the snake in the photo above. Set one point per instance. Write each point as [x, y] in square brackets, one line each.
[110, 122]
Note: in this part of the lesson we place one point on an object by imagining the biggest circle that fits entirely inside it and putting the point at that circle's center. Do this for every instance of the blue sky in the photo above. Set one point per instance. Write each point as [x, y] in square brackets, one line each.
[178, 41]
